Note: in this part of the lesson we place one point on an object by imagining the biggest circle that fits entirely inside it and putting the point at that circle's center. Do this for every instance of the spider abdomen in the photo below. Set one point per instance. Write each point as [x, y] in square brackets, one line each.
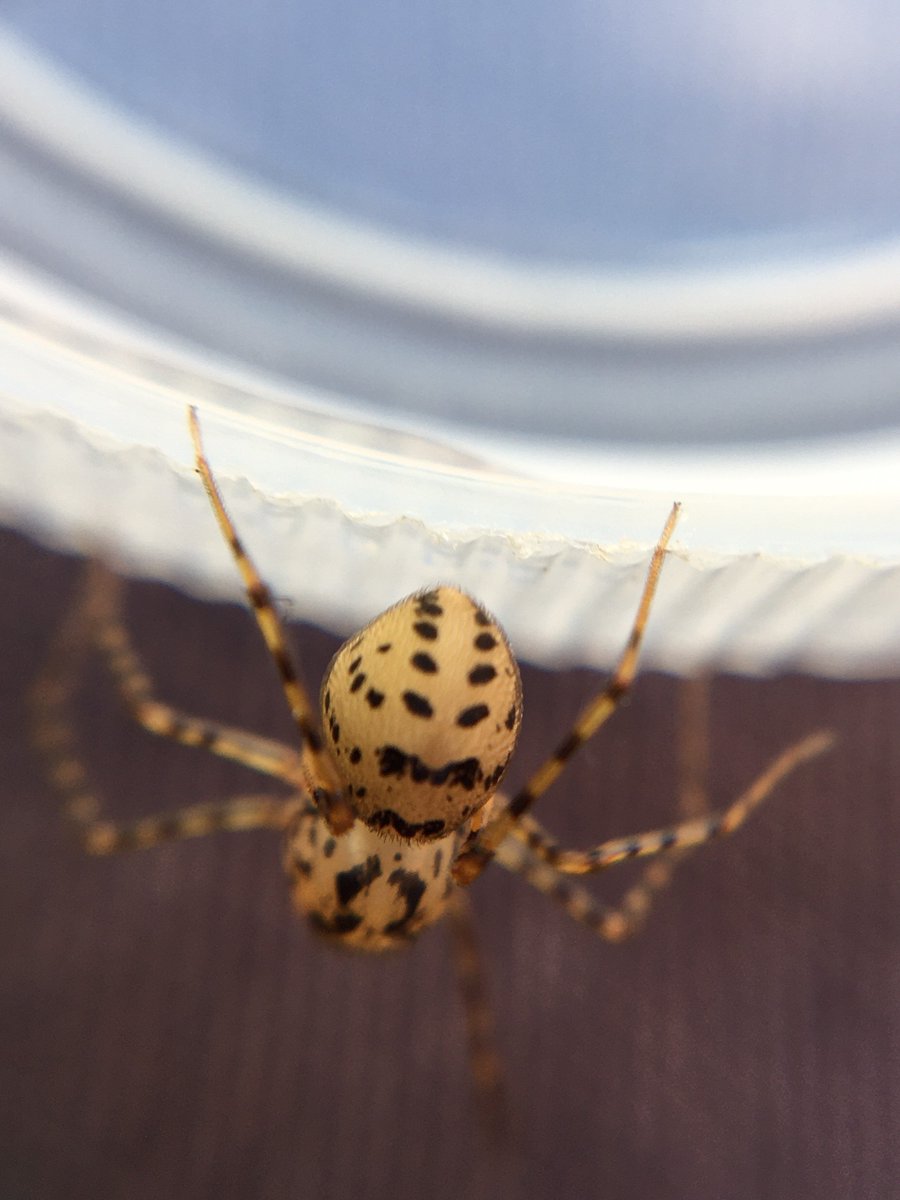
[362, 890]
[421, 711]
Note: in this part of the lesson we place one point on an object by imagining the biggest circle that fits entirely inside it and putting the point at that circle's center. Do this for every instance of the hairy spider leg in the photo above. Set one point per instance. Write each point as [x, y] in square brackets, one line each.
[320, 778]
[615, 924]
[479, 850]
[689, 835]
[55, 737]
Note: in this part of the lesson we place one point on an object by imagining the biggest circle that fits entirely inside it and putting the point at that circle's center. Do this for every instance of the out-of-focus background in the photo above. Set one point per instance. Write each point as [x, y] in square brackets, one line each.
[472, 294]
[477, 292]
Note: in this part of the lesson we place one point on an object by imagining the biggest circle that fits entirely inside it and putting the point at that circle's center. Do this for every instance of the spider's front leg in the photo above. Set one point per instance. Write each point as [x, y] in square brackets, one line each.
[484, 845]
[319, 777]
[102, 598]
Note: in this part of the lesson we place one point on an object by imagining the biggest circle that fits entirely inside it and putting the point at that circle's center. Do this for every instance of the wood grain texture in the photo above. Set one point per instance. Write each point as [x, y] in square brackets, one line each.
[169, 1027]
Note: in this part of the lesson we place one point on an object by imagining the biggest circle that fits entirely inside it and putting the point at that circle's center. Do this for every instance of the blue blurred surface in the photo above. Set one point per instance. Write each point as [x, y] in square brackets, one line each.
[564, 130]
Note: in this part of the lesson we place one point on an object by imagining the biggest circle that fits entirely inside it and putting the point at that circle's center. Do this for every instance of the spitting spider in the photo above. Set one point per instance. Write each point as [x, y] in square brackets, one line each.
[393, 807]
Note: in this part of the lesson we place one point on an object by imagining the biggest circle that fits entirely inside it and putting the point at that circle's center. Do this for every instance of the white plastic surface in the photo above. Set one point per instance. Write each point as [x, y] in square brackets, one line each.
[788, 553]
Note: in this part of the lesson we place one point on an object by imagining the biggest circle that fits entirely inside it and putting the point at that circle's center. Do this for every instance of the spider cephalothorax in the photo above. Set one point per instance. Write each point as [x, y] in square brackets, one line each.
[421, 711]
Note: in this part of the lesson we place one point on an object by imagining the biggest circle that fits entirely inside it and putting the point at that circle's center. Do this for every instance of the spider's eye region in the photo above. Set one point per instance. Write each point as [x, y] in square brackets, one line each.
[421, 711]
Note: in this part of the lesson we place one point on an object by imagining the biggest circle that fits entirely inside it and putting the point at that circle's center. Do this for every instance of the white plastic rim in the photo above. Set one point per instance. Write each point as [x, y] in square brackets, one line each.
[788, 552]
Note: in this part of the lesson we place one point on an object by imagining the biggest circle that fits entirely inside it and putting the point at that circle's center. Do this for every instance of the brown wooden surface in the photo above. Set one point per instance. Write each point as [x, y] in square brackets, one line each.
[169, 1028]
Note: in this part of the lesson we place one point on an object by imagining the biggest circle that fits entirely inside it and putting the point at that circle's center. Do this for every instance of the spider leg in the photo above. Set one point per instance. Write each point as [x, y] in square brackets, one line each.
[197, 820]
[628, 916]
[52, 731]
[612, 924]
[54, 737]
[319, 774]
[686, 836]
[484, 1060]
[693, 795]
[533, 854]
[477, 854]
[103, 592]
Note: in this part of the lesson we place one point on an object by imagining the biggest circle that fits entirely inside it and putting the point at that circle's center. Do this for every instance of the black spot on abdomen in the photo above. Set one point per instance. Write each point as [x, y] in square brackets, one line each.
[342, 924]
[411, 888]
[348, 884]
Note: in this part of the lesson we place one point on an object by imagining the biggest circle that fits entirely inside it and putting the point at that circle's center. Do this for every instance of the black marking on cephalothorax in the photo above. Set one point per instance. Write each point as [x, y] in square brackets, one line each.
[313, 835]
[472, 716]
[485, 641]
[497, 774]
[342, 924]
[398, 857]
[348, 884]
[374, 698]
[511, 718]
[418, 705]
[352, 668]
[355, 754]
[301, 865]
[426, 629]
[483, 674]
[360, 792]
[384, 647]
[482, 618]
[357, 682]
[424, 662]
[386, 818]
[328, 848]
[464, 772]
[326, 701]
[411, 887]
[335, 729]
[428, 604]
[438, 859]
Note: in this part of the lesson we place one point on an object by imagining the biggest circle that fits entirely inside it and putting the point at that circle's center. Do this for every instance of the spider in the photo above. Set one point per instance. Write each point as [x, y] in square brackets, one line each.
[393, 807]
